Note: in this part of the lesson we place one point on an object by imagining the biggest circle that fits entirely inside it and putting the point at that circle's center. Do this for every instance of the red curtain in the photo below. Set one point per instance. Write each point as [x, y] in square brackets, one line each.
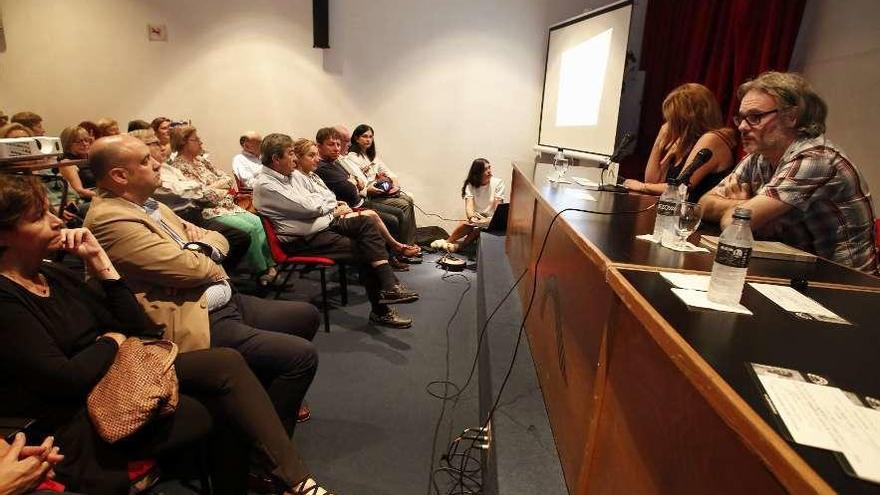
[718, 43]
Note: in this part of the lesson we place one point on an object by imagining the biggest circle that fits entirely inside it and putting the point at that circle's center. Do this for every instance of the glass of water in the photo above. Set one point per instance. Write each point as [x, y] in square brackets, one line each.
[689, 217]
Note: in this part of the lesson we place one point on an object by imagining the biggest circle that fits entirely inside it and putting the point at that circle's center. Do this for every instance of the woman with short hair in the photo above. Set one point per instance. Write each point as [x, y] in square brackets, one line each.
[220, 200]
[692, 122]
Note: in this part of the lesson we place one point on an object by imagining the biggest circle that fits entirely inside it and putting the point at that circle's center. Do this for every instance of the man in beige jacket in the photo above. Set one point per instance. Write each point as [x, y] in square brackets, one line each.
[174, 269]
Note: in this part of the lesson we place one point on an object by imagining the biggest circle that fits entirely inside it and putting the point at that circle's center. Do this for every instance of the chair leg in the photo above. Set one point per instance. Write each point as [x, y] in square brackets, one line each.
[324, 303]
[280, 288]
[343, 285]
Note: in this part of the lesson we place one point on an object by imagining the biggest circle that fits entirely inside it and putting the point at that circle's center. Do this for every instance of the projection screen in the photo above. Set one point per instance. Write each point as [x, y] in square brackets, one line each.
[583, 80]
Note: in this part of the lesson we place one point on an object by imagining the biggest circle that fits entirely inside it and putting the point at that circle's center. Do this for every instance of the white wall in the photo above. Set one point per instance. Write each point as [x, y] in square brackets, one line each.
[838, 51]
[441, 82]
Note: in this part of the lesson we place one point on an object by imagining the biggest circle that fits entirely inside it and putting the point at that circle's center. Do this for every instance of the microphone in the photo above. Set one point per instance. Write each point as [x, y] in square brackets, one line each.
[703, 157]
[618, 153]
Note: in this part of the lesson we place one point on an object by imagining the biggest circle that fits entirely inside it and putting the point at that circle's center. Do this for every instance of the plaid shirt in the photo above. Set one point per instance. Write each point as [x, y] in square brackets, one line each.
[831, 216]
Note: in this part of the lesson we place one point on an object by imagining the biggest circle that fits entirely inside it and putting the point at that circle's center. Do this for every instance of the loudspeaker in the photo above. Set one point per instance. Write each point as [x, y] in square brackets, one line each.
[321, 23]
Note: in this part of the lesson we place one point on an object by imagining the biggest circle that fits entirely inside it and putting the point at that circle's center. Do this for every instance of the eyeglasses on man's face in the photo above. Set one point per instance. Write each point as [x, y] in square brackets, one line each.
[752, 118]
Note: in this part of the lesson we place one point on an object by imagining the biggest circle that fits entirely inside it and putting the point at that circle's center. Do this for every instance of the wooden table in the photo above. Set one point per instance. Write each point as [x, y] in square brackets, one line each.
[645, 396]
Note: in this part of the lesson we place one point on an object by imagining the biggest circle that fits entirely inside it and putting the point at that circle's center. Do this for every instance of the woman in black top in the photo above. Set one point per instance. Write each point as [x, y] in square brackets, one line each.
[60, 336]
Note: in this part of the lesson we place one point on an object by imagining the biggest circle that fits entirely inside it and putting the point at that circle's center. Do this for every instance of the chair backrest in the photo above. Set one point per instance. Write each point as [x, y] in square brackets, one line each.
[275, 248]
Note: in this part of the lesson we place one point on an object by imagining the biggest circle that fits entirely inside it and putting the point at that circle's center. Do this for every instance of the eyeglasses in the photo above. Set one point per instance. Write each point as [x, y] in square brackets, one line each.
[752, 119]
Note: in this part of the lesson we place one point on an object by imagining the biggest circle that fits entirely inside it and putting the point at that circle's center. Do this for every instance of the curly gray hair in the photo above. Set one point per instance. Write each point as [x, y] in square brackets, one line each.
[792, 91]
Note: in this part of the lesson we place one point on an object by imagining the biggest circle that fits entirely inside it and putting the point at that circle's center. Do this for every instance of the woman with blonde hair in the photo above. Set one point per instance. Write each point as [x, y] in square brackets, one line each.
[220, 202]
[107, 127]
[692, 122]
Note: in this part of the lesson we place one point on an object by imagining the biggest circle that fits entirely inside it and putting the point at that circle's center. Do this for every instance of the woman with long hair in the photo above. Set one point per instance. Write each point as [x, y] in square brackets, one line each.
[61, 335]
[482, 193]
[692, 122]
[221, 206]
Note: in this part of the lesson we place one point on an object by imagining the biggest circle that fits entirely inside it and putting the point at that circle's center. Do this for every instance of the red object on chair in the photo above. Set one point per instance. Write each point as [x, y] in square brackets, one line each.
[288, 264]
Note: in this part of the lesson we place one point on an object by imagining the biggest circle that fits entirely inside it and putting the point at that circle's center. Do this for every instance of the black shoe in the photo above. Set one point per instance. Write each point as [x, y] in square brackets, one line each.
[398, 294]
[412, 260]
[391, 319]
[398, 265]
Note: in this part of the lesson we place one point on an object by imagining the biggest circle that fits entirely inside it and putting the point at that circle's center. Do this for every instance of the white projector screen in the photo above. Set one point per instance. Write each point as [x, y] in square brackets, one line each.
[583, 80]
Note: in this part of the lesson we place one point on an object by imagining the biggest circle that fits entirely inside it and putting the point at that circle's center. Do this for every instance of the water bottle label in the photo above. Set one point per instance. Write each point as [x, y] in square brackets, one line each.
[733, 256]
[666, 208]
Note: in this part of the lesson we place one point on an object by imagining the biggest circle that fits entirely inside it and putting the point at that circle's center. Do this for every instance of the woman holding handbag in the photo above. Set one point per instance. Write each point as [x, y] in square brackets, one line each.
[61, 336]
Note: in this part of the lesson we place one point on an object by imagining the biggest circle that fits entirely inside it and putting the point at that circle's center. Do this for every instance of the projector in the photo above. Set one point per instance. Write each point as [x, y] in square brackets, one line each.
[30, 147]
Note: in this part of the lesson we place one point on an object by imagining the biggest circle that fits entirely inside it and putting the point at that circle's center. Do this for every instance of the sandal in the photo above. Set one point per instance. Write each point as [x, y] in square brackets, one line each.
[309, 487]
[408, 250]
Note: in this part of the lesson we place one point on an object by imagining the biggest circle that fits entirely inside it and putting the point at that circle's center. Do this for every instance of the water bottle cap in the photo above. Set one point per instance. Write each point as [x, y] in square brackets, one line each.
[742, 213]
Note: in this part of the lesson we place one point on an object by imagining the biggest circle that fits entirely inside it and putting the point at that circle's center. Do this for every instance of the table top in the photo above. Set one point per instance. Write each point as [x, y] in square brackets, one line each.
[615, 235]
[847, 354]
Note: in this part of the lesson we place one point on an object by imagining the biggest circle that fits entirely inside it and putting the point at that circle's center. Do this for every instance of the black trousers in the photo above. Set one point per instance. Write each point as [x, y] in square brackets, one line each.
[397, 212]
[273, 337]
[354, 240]
[221, 402]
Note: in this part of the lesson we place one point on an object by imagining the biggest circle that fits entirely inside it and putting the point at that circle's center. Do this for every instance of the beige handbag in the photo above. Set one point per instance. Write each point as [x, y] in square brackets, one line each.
[141, 384]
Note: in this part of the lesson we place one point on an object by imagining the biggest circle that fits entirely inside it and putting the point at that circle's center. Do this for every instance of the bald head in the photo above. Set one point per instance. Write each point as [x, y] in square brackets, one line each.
[123, 164]
[250, 142]
[344, 136]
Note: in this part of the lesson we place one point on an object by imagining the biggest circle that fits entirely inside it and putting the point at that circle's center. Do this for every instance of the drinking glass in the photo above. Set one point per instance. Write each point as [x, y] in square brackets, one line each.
[689, 217]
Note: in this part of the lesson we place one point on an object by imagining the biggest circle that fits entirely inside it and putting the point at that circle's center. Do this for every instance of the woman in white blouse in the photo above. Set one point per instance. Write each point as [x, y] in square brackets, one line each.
[482, 193]
[363, 163]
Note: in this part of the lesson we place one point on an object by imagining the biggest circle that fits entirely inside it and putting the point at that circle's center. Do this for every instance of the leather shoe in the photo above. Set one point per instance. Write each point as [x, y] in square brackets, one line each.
[398, 294]
[391, 319]
[398, 265]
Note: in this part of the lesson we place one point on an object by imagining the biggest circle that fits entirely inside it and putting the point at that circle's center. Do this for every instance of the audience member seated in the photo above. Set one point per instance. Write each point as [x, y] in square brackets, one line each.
[482, 193]
[310, 221]
[91, 127]
[30, 120]
[362, 159]
[138, 124]
[4, 119]
[246, 165]
[186, 197]
[692, 122]
[23, 468]
[15, 130]
[220, 201]
[107, 127]
[802, 189]
[176, 276]
[60, 336]
[76, 141]
[162, 127]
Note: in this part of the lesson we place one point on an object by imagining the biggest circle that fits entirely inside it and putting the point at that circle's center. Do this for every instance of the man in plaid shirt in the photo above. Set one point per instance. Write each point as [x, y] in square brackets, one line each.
[800, 187]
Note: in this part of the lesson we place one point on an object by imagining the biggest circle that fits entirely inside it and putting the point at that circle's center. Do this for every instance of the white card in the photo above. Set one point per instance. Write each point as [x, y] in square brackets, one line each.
[687, 280]
[700, 299]
[794, 302]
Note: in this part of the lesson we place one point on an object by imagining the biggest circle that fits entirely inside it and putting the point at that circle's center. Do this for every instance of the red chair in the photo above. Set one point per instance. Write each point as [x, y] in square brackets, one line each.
[288, 264]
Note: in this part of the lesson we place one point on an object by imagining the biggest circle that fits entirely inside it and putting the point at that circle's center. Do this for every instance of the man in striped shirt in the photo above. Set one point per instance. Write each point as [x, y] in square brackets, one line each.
[802, 189]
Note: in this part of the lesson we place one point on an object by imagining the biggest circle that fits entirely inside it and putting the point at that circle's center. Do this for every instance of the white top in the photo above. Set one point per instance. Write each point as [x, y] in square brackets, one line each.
[246, 167]
[485, 195]
[365, 169]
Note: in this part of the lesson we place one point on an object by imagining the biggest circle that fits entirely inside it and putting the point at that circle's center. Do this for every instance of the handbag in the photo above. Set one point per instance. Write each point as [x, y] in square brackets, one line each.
[141, 384]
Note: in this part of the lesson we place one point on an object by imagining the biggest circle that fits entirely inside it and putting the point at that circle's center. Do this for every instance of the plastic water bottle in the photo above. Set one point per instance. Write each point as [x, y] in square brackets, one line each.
[667, 211]
[732, 259]
[560, 164]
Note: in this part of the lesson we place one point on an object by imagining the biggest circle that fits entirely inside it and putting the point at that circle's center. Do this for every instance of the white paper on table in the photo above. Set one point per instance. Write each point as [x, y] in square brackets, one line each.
[823, 416]
[700, 299]
[579, 194]
[647, 237]
[687, 247]
[557, 180]
[586, 183]
[794, 302]
[687, 280]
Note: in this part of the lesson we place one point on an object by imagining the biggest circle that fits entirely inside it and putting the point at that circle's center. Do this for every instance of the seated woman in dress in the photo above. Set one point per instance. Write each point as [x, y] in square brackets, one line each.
[217, 187]
[692, 122]
[369, 168]
[482, 193]
[60, 336]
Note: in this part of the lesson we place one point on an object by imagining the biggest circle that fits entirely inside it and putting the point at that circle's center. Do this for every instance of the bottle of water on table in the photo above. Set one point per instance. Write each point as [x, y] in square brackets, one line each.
[667, 211]
[732, 259]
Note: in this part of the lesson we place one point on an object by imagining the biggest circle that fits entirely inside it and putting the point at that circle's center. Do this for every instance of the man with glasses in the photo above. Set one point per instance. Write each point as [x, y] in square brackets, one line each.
[802, 189]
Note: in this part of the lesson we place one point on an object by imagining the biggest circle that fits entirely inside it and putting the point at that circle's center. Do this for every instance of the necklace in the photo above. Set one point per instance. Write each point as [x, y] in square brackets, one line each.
[41, 289]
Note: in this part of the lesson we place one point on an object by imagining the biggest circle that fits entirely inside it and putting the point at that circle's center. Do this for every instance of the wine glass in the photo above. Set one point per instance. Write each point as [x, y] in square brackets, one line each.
[689, 217]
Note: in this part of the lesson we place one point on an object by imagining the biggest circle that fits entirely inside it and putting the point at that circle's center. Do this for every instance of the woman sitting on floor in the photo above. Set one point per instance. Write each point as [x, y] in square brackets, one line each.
[482, 193]
[692, 122]
[60, 336]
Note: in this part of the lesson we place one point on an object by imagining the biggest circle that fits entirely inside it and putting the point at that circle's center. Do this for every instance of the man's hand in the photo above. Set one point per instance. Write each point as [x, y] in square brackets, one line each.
[738, 190]
[341, 209]
[21, 473]
[193, 232]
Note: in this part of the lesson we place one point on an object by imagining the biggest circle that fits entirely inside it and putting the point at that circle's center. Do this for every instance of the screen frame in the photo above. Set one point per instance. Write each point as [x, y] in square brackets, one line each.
[568, 22]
